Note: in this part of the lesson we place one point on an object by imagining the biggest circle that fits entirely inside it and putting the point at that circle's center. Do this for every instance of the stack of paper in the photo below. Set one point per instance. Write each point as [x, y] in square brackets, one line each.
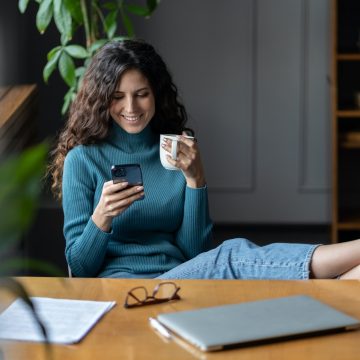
[66, 321]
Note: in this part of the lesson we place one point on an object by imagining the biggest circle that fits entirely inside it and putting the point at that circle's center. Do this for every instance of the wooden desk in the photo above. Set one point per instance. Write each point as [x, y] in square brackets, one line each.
[125, 334]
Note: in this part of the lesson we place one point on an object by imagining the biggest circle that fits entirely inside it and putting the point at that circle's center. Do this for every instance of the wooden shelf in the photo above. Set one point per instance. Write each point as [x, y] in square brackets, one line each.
[352, 222]
[348, 57]
[351, 113]
[345, 119]
[350, 140]
[350, 145]
[348, 226]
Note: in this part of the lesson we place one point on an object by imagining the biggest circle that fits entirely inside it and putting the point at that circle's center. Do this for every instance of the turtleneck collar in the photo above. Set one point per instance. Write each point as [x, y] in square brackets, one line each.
[131, 143]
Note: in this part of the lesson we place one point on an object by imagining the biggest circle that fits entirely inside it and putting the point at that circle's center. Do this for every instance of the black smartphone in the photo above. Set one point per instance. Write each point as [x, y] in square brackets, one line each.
[130, 173]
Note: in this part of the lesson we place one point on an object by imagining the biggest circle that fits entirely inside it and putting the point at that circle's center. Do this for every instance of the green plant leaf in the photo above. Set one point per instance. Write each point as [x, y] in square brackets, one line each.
[110, 6]
[53, 57]
[95, 46]
[67, 69]
[63, 20]
[51, 53]
[152, 5]
[137, 10]
[44, 15]
[74, 9]
[127, 24]
[16, 288]
[64, 39]
[76, 51]
[79, 72]
[23, 5]
[68, 99]
[111, 24]
[20, 185]
[14, 264]
[87, 62]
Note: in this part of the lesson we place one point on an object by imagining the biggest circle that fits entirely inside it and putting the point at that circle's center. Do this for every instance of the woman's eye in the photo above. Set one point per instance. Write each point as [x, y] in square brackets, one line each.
[142, 94]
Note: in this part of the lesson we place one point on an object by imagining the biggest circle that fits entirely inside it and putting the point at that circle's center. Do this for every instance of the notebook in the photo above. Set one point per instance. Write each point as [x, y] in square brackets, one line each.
[256, 322]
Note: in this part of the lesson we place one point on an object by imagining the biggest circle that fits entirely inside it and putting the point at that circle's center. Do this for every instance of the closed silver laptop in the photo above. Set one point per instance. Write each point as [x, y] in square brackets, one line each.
[255, 322]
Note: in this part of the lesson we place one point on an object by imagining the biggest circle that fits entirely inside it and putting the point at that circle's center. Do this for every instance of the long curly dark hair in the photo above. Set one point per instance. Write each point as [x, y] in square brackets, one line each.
[89, 118]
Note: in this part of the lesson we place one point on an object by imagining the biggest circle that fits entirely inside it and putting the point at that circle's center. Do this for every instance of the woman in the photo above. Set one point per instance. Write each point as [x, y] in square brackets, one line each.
[127, 99]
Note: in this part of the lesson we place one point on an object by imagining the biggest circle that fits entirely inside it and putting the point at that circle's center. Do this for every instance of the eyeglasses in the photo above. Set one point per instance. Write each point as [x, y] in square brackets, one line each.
[163, 292]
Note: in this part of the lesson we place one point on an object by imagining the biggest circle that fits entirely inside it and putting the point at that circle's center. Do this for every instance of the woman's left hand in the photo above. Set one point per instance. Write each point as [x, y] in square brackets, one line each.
[188, 160]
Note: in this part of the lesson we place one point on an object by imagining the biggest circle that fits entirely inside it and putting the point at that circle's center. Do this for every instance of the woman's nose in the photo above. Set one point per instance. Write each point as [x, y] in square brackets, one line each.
[130, 105]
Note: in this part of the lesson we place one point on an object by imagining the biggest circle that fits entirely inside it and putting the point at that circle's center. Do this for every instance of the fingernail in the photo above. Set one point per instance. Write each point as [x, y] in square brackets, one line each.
[139, 188]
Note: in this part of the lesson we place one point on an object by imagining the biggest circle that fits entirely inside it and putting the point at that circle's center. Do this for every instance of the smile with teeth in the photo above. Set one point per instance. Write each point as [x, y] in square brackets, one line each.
[131, 118]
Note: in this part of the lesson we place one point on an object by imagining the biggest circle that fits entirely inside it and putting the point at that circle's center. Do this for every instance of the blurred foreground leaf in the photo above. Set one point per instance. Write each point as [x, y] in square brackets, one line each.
[20, 186]
[16, 288]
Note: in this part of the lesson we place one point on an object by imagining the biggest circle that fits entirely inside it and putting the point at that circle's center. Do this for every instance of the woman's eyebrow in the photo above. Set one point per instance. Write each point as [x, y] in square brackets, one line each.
[137, 90]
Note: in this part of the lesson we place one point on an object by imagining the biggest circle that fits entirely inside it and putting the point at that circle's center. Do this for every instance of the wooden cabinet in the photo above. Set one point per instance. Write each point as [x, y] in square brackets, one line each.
[345, 94]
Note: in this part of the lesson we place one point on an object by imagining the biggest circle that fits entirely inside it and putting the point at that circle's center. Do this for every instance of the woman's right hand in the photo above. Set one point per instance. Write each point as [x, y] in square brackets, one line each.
[114, 200]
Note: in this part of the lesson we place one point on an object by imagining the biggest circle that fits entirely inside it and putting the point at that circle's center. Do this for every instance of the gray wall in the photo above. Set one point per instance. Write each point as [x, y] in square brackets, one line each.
[253, 75]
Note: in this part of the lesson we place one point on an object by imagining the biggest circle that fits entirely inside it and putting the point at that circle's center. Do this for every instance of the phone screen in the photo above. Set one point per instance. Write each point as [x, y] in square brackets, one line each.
[130, 173]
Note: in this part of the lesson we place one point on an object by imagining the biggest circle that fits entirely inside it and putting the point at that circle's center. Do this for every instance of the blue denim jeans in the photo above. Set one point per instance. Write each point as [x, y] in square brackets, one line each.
[242, 259]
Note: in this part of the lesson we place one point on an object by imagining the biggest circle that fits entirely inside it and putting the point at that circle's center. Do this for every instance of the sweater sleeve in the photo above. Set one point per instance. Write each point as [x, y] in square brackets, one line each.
[195, 233]
[86, 244]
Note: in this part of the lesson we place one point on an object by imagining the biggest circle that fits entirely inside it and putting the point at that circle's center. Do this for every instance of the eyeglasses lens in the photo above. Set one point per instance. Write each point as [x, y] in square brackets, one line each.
[164, 291]
[136, 296]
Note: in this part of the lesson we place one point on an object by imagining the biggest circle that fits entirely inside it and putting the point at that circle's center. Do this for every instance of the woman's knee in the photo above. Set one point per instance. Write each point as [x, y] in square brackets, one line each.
[238, 243]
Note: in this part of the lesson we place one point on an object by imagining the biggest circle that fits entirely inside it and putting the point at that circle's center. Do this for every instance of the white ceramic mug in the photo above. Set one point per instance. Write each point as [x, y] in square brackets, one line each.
[174, 144]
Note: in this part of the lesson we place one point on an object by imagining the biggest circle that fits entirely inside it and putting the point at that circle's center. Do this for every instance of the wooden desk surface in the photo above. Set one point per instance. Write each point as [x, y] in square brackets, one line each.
[125, 333]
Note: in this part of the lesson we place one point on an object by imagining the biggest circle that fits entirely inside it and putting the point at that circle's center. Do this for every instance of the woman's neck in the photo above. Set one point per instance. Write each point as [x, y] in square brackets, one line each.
[132, 142]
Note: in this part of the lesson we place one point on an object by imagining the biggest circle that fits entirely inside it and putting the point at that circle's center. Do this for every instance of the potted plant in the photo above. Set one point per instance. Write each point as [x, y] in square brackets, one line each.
[98, 22]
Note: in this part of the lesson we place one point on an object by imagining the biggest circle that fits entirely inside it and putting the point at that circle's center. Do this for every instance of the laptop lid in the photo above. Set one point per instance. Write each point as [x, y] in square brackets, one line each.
[255, 322]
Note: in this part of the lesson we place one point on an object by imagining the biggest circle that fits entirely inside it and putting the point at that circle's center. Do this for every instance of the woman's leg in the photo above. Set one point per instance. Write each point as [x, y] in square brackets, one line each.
[337, 260]
[242, 259]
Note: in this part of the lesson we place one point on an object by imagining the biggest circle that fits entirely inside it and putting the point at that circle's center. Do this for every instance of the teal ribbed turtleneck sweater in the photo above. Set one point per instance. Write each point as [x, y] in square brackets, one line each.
[168, 227]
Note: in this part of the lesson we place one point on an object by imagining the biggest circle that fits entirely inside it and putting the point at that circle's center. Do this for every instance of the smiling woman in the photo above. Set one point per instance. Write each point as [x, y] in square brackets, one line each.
[133, 104]
[127, 99]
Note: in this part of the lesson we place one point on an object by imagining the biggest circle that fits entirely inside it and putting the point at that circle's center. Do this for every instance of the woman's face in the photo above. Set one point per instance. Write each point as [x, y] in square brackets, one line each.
[133, 103]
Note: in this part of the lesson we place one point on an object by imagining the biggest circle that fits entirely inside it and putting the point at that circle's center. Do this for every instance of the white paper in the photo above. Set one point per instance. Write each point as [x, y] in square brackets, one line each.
[66, 321]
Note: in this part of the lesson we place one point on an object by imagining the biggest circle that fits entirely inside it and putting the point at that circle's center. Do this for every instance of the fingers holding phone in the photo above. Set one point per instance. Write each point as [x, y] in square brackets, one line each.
[128, 173]
[118, 194]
